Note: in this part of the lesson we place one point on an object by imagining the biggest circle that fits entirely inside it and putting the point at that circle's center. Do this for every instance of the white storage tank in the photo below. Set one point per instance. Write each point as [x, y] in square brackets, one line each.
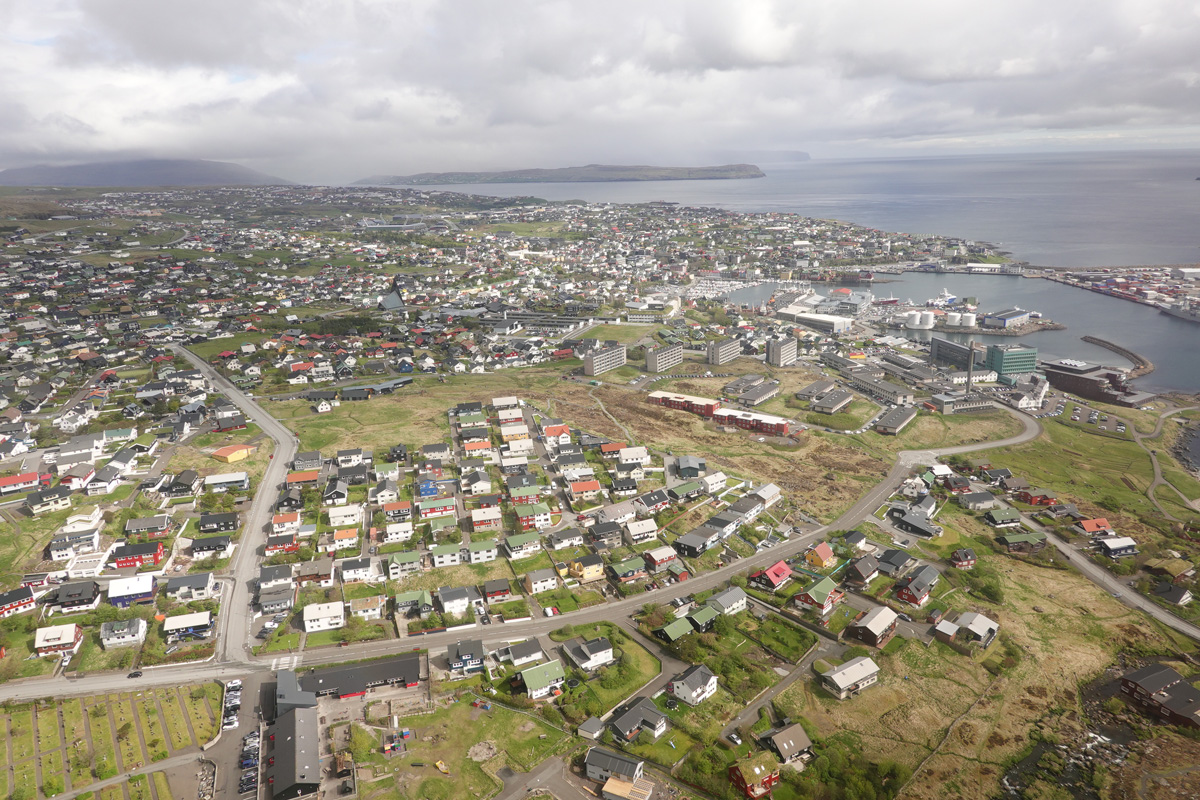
[953, 319]
[968, 320]
[912, 320]
[926, 320]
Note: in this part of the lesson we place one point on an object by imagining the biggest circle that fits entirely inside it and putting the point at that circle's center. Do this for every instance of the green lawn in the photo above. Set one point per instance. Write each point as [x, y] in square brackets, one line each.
[514, 609]
[449, 734]
[849, 418]
[523, 565]
[780, 636]
[562, 599]
[636, 665]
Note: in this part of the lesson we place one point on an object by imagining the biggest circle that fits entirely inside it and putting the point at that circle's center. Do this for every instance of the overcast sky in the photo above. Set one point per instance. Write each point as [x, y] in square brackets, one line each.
[334, 90]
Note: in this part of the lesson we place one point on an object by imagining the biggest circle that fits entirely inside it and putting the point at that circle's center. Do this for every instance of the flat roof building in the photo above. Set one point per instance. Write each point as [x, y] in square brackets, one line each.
[598, 362]
[661, 359]
[723, 351]
[782, 352]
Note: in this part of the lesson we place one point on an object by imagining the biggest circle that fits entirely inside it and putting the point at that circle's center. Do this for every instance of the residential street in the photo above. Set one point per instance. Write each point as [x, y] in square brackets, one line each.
[233, 625]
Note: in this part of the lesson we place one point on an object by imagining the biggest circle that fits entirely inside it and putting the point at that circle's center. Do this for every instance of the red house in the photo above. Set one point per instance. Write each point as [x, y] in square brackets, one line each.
[135, 555]
[307, 476]
[772, 578]
[755, 775]
[703, 406]
[750, 421]
[963, 559]
[16, 601]
[24, 482]
[281, 543]
[1036, 497]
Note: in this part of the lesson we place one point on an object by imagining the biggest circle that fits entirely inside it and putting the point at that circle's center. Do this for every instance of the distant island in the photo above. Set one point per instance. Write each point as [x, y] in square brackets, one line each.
[142, 172]
[592, 173]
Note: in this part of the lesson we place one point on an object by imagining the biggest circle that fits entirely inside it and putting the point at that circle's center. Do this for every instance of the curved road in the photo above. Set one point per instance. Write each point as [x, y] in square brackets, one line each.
[1159, 480]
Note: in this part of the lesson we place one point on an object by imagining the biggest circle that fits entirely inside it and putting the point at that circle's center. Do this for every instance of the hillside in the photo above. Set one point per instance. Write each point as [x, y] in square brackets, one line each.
[592, 173]
[144, 172]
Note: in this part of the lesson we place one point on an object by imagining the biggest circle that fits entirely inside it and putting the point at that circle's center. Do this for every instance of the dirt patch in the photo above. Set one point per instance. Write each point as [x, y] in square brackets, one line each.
[483, 751]
[527, 726]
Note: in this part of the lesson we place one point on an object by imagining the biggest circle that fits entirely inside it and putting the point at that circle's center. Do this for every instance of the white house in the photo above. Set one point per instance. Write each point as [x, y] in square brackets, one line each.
[324, 617]
[714, 482]
[356, 569]
[634, 455]
[694, 685]
[482, 552]
[445, 555]
[589, 655]
[343, 516]
[397, 532]
[851, 678]
[123, 633]
[731, 601]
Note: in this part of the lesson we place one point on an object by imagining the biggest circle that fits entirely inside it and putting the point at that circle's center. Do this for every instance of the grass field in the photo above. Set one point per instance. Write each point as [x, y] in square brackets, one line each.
[74, 743]
[449, 734]
[625, 334]
[1086, 467]
[850, 418]
[780, 636]
[922, 690]
[641, 666]
[827, 470]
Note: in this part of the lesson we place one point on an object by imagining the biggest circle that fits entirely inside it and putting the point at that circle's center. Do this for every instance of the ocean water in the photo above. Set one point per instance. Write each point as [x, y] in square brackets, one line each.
[1172, 344]
[1072, 210]
[1066, 210]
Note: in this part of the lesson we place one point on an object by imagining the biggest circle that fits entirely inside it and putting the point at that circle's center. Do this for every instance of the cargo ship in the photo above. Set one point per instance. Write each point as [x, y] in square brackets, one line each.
[1185, 310]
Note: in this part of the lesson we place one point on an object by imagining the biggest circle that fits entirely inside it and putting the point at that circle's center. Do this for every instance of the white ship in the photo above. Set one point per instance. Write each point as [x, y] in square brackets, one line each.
[943, 299]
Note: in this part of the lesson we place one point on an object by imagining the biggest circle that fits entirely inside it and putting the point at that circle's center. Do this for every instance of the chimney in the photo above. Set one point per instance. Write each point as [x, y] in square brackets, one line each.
[970, 363]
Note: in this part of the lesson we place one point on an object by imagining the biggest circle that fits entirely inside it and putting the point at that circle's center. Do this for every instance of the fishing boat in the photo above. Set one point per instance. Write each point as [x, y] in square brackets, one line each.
[943, 299]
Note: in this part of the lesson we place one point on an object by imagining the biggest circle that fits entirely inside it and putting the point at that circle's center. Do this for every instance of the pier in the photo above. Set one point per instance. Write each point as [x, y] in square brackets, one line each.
[1142, 365]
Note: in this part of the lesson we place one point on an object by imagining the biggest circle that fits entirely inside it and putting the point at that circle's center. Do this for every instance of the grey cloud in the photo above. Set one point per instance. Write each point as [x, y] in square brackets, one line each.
[334, 89]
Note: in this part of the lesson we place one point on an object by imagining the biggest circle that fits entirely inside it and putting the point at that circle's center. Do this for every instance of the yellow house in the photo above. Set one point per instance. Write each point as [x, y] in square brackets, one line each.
[586, 569]
[234, 452]
[821, 556]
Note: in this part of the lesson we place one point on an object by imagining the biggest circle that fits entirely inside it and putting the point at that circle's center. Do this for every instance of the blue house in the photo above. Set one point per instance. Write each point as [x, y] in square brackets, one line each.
[466, 656]
[427, 489]
[125, 592]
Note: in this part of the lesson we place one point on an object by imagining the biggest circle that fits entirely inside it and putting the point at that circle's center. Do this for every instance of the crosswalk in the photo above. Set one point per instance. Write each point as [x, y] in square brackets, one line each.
[286, 662]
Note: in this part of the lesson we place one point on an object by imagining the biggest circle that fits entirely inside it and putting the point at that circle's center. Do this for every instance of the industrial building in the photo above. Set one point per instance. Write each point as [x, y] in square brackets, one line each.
[825, 323]
[959, 403]
[1011, 359]
[1094, 382]
[894, 420]
[881, 390]
[1009, 318]
[832, 402]
[782, 352]
[954, 354]
[723, 351]
[661, 359]
[598, 362]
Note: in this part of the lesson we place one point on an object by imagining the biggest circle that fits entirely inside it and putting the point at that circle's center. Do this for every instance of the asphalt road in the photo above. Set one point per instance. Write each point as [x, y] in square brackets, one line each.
[233, 624]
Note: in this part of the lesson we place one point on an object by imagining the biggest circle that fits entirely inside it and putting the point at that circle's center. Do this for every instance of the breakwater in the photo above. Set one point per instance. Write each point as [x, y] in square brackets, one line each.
[1142, 365]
